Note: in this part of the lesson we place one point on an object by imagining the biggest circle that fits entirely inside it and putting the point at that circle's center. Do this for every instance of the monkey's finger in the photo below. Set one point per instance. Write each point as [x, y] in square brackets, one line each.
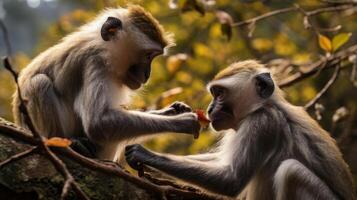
[133, 163]
[170, 111]
[181, 107]
[140, 169]
[196, 135]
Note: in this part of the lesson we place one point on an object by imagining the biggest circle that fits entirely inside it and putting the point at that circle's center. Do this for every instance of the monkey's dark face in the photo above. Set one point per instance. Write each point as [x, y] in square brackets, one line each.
[135, 51]
[220, 110]
[139, 72]
[237, 96]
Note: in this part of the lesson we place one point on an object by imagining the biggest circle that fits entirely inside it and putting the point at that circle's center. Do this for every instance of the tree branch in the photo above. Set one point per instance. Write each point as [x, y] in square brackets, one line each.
[18, 156]
[313, 68]
[331, 8]
[325, 88]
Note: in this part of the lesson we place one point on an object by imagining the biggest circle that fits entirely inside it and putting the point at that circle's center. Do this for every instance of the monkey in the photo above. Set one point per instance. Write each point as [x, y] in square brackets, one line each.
[270, 148]
[77, 88]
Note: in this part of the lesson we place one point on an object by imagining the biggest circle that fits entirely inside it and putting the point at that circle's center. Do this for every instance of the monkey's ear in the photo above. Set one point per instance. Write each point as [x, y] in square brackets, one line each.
[110, 28]
[264, 85]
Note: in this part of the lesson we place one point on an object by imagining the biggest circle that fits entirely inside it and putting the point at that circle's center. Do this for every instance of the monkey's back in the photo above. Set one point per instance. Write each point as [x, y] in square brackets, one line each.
[305, 141]
[62, 66]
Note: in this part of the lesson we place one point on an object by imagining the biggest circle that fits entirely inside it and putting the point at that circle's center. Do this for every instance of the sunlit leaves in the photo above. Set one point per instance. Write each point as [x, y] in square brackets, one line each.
[308, 92]
[340, 40]
[226, 22]
[337, 41]
[325, 43]
[167, 97]
[183, 77]
[262, 44]
[175, 62]
[284, 46]
[199, 6]
[203, 50]
[188, 5]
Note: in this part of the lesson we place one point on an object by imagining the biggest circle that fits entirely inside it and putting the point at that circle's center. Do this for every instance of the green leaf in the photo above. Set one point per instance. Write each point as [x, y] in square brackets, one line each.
[340, 40]
[325, 43]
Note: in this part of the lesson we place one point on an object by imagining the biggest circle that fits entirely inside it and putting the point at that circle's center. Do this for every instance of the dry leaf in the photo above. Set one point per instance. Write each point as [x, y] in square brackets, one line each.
[58, 142]
[190, 5]
[226, 22]
[175, 62]
[325, 43]
[167, 97]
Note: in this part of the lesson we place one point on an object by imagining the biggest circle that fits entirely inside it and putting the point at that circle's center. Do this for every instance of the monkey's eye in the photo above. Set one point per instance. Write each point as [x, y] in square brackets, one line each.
[218, 92]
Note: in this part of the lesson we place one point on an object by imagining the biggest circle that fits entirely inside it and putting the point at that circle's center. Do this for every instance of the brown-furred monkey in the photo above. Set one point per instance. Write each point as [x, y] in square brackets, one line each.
[76, 88]
[270, 149]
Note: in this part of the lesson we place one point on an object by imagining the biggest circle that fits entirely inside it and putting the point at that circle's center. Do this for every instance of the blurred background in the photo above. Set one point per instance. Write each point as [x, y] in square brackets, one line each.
[209, 37]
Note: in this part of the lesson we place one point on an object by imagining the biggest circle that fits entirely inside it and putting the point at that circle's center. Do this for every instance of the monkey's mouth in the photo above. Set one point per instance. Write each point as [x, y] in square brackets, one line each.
[132, 82]
[221, 113]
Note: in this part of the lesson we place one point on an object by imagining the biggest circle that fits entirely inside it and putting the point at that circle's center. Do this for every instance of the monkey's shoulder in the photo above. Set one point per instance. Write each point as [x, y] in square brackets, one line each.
[268, 117]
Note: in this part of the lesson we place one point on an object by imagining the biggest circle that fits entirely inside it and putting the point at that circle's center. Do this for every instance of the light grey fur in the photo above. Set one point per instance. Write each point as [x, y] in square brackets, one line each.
[276, 151]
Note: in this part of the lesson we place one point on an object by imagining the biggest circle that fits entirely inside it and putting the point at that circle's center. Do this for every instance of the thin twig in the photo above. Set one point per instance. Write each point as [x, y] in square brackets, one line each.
[294, 9]
[18, 156]
[6, 38]
[66, 187]
[324, 89]
[340, 1]
[313, 68]
[142, 183]
[266, 15]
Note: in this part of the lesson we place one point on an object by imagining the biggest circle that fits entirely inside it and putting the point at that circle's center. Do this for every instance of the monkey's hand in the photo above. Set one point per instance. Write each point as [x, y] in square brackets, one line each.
[173, 109]
[188, 123]
[136, 155]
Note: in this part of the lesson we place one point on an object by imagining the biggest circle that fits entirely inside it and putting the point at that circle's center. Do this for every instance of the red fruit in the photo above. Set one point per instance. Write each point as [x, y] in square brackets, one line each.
[204, 121]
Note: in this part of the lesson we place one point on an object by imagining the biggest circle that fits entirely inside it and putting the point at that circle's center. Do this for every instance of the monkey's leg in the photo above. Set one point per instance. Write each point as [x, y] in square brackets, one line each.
[294, 181]
[43, 105]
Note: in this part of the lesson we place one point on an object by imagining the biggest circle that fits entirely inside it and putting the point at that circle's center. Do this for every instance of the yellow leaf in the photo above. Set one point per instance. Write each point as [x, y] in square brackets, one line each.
[339, 40]
[58, 142]
[174, 62]
[325, 43]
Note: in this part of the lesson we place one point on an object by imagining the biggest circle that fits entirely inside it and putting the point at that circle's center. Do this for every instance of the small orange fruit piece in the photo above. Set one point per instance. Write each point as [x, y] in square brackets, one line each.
[204, 121]
[58, 142]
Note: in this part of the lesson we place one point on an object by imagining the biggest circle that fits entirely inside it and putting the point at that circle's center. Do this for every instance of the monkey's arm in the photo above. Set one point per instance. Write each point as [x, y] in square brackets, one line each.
[118, 125]
[211, 176]
[206, 157]
[244, 154]
[103, 123]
